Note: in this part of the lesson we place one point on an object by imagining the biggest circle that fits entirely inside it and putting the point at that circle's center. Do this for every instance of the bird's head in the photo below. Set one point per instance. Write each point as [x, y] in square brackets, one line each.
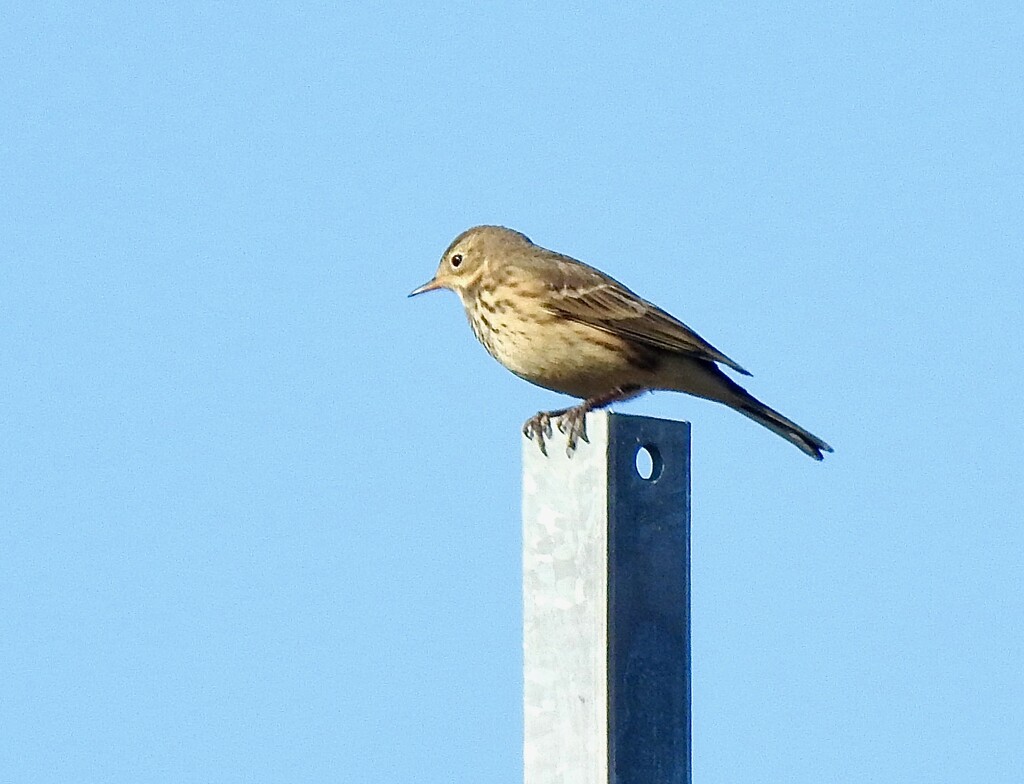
[470, 256]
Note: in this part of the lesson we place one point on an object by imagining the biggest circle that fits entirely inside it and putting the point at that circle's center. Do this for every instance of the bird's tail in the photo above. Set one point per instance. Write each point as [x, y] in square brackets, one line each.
[804, 440]
[705, 379]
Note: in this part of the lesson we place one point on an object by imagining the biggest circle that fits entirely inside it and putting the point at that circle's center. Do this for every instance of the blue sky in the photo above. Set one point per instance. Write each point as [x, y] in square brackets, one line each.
[261, 512]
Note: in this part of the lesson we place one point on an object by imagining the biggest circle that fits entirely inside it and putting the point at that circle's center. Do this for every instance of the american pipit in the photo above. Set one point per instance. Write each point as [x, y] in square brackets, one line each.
[565, 326]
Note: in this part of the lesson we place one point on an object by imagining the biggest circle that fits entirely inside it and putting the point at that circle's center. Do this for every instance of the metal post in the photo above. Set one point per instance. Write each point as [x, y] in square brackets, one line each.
[606, 606]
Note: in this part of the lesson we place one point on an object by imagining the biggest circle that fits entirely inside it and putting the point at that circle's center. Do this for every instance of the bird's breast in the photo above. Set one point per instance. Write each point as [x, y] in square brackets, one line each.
[551, 351]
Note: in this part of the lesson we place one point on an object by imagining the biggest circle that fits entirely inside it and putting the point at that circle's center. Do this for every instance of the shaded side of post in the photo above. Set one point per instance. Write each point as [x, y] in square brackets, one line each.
[649, 602]
[606, 606]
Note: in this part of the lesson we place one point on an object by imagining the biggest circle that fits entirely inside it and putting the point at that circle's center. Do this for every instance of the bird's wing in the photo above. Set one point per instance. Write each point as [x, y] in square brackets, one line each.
[584, 294]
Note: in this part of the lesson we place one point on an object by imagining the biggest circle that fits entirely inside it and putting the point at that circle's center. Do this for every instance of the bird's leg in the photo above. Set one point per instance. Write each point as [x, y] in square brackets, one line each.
[573, 421]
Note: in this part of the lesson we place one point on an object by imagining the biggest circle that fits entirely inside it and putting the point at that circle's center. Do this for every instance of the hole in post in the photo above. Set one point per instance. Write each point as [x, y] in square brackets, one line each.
[648, 462]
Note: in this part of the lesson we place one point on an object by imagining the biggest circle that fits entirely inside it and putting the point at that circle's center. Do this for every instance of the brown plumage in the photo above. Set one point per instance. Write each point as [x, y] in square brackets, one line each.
[565, 326]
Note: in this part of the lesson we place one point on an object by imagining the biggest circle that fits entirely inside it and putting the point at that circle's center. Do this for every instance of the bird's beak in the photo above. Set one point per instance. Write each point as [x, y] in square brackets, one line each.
[431, 285]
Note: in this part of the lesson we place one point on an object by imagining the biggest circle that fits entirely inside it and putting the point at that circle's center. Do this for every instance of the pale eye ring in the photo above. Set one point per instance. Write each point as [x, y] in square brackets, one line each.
[456, 259]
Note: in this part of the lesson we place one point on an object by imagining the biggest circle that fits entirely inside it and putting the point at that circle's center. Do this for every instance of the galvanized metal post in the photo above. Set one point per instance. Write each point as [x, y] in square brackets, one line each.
[606, 606]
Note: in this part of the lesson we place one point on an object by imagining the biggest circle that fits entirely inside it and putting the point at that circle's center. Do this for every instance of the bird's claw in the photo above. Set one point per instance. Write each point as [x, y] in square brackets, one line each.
[539, 426]
[574, 424]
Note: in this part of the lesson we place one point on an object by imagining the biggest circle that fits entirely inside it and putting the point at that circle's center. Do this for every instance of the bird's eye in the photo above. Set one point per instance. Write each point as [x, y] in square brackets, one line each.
[456, 259]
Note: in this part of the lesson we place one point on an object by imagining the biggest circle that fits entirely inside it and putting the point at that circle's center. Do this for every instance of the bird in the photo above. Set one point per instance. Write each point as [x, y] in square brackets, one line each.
[566, 326]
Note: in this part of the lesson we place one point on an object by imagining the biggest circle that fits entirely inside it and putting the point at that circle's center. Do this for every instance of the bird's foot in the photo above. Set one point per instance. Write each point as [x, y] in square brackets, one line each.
[573, 422]
[539, 426]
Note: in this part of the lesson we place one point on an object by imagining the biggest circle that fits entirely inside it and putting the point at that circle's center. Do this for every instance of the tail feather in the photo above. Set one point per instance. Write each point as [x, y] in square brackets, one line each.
[705, 379]
[804, 440]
